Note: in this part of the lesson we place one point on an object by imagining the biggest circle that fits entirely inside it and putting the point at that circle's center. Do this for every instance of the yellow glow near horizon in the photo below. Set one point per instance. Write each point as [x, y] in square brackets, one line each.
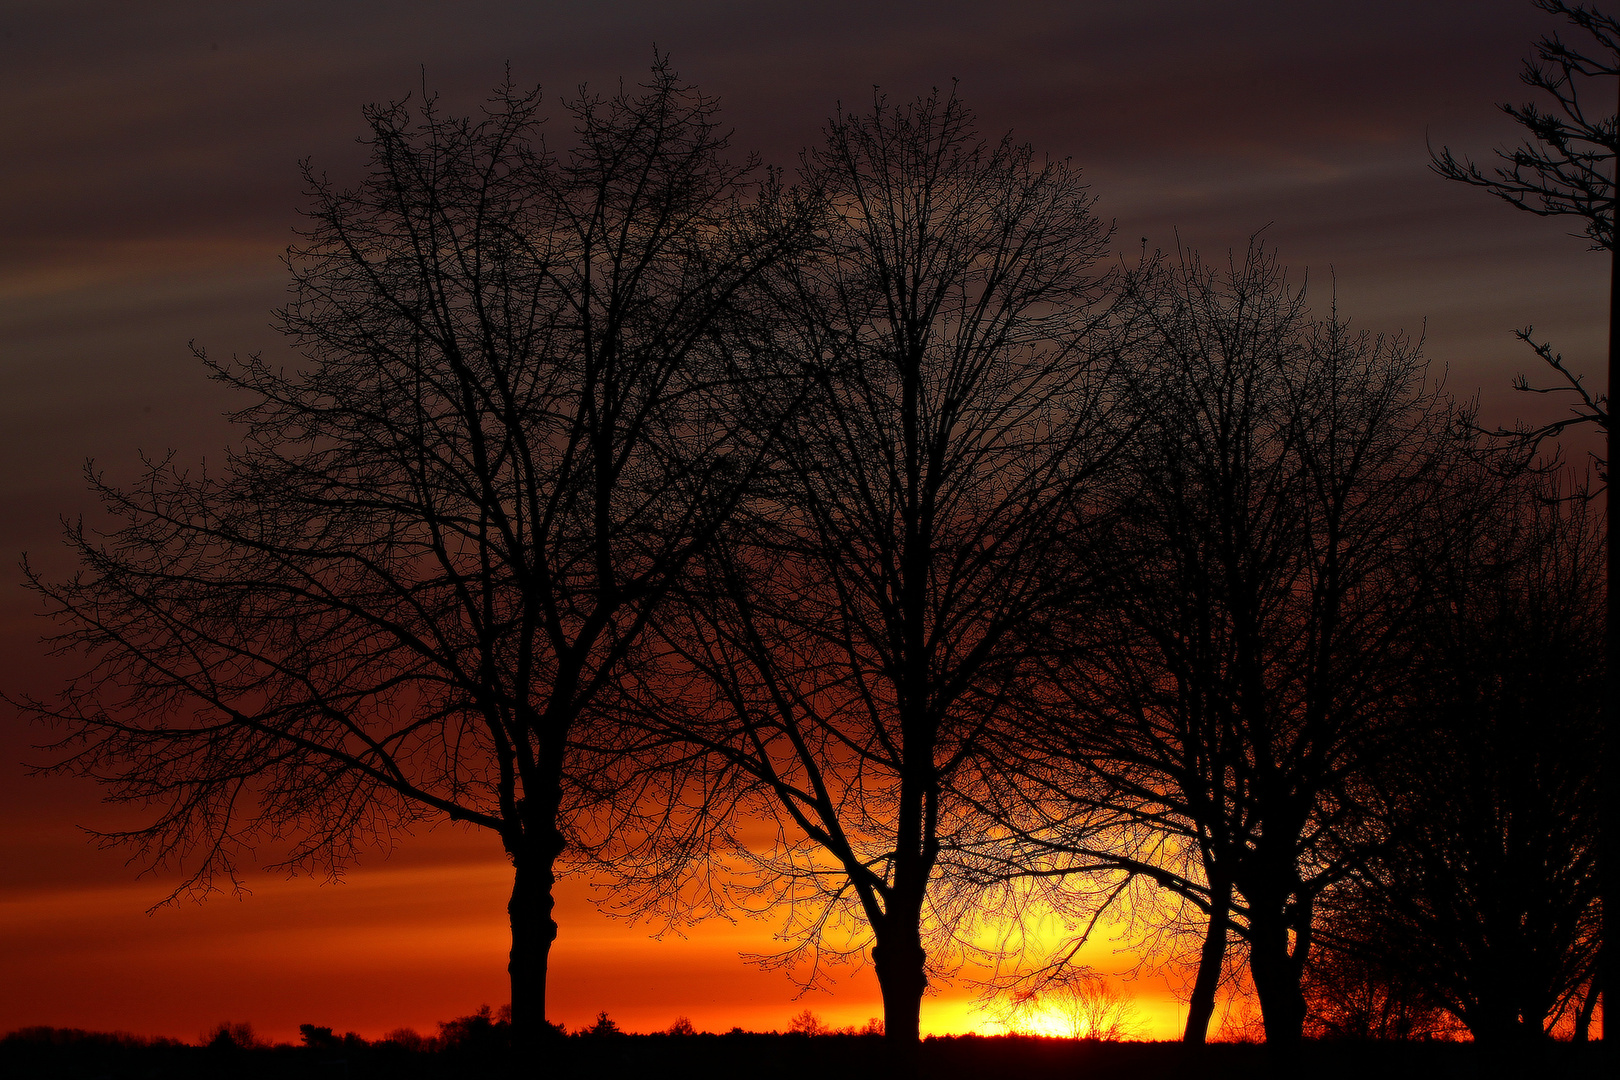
[412, 942]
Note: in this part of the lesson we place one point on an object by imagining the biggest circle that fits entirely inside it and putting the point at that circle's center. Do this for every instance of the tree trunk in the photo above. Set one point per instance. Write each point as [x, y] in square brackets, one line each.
[1494, 1021]
[1583, 1021]
[899, 960]
[1609, 756]
[1276, 976]
[533, 931]
[1202, 1006]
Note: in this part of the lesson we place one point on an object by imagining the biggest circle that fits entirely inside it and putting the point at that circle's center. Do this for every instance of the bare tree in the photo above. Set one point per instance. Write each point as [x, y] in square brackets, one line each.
[399, 600]
[1079, 1002]
[1233, 674]
[1483, 887]
[1352, 996]
[1563, 171]
[864, 613]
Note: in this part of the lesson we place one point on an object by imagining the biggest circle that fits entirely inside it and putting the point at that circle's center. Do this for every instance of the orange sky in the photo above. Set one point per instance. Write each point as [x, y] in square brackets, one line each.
[410, 941]
[150, 185]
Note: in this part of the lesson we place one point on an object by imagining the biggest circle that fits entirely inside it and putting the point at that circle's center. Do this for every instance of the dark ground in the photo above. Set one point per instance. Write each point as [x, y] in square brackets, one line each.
[72, 1056]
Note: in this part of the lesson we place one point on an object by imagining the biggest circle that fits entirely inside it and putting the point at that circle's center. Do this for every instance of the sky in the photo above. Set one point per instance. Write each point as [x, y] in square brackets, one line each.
[149, 184]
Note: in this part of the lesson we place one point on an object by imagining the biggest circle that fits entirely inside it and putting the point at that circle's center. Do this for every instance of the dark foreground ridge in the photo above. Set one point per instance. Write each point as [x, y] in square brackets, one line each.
[70, 1055]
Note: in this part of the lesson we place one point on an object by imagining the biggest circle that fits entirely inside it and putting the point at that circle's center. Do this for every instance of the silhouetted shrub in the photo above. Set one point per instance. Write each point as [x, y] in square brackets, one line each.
[55, 1036]
[681, 1026]
[409, 1039]
[603, 1028]
[481, 1032]
[228, 1036]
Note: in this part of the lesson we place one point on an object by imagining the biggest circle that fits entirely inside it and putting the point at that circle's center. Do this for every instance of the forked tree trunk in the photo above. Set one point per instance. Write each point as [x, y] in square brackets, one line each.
[1202, 1005]
[1276, 975]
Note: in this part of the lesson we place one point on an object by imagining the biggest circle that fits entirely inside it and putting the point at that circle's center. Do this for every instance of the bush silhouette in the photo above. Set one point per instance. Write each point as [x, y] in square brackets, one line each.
[481, 1032]
[408, 1039]
[229, 1036]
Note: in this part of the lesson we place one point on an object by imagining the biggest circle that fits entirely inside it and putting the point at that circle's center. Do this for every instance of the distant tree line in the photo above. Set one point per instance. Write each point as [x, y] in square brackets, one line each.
[867, 548]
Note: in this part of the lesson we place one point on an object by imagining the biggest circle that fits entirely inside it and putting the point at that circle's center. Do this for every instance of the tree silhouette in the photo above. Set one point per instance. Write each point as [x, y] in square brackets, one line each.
[1483, 886]
[860, 619]
[1350, 995]
[1234, 670]
[1563, 170]
[399, 600]
[1081, 1003]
